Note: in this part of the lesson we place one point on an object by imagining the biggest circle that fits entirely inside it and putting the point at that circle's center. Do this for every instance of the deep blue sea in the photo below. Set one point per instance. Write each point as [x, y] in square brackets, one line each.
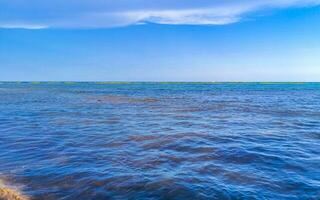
[161, 141]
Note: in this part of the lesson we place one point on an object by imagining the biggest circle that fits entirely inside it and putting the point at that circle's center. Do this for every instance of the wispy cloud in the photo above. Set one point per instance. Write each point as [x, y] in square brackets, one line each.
[23, 26]
[35, 14]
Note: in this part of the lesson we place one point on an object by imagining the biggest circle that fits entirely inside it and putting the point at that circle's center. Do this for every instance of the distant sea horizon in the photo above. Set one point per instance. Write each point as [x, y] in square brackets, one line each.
[195, 82]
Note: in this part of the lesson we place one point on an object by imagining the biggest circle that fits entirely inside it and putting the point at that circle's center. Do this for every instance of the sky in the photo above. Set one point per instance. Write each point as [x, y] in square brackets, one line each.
[160, 40]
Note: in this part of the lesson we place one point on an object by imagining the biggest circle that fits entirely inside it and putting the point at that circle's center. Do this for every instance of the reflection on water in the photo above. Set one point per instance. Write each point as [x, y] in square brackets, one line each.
[160, 141]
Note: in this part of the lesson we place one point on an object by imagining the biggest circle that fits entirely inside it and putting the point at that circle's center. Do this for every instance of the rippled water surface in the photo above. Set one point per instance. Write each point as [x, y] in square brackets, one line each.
[161, 141]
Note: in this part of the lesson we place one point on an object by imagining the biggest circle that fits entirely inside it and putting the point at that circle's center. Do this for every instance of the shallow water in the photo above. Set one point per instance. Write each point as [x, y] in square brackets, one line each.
[161, 141]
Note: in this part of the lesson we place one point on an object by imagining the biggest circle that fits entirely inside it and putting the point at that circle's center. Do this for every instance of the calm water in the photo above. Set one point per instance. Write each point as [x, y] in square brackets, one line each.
[161, 141]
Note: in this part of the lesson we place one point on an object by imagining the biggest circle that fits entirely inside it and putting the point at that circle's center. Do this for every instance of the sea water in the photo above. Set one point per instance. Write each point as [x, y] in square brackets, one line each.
[160, 140]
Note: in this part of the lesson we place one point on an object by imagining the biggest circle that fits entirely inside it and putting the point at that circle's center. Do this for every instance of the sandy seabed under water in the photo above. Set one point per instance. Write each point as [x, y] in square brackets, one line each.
[10, 193]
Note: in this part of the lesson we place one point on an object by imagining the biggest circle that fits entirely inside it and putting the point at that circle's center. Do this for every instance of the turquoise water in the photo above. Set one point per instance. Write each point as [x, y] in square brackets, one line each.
[160, 140]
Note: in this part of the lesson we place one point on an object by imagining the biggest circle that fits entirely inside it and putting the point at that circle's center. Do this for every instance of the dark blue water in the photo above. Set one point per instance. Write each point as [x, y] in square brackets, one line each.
[161, 141]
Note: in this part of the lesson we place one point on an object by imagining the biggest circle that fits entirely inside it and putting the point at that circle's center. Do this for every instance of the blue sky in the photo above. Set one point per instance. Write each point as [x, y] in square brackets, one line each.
[140, 40]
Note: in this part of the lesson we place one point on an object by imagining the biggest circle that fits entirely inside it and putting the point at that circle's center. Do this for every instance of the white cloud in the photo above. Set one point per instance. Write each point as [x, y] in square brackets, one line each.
[34, 14]
[23, 26]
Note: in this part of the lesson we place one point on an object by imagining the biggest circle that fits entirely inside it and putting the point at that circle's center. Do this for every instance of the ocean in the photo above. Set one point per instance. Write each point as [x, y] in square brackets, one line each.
[160, 141]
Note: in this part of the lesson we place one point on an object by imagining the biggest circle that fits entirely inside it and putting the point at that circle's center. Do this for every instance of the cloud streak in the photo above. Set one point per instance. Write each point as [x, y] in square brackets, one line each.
[37, 14]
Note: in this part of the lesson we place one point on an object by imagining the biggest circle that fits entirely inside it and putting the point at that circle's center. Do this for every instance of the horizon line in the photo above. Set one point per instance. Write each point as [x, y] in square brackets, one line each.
[172, 82]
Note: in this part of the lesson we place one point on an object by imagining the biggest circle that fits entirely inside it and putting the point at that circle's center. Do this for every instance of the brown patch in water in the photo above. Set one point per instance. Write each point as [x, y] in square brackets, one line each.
[142, 138]
[8, 193]
[122, 99]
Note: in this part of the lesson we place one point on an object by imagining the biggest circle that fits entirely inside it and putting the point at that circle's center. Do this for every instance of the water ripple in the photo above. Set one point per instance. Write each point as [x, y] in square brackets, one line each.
[159, 141]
